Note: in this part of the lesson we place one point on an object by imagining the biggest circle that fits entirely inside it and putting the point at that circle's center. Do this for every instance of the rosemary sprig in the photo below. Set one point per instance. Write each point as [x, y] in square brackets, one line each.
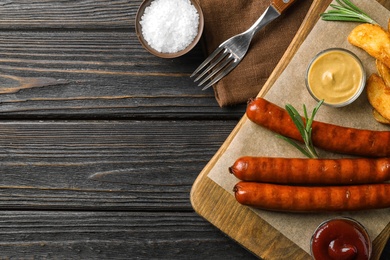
[304, 128]
[346, 11]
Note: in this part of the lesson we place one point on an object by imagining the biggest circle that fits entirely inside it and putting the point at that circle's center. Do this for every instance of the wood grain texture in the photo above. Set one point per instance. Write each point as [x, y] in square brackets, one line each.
[111, 235]
[207, 197]
[100, 141]
[105, 74]
[107, 190]
[115, 165]
[91, 48]
[72, 14]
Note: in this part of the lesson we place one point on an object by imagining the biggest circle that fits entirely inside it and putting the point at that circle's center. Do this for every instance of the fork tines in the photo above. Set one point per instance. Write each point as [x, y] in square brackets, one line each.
[220, 63]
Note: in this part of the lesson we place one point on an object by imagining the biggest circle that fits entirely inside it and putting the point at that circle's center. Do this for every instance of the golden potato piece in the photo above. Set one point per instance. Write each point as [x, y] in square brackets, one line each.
[384, 72]
[379, 95]
[378, 117]
[373, 39]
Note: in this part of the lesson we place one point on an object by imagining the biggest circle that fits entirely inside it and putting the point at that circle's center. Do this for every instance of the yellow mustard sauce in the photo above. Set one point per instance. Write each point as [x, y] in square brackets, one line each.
[335, 76]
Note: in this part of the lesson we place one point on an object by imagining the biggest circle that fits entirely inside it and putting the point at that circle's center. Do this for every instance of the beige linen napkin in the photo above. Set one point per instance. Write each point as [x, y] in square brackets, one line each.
[226, 18]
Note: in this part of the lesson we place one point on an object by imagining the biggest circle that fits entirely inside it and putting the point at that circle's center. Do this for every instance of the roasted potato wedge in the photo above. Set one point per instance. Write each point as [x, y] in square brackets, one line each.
[379, 95]
[373, 39]
[379, 118]
[384, 72]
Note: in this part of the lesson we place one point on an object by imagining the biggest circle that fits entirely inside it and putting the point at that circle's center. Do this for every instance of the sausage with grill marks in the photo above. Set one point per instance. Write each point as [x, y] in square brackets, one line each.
[312, 171]
[338, 139]
[276, 197]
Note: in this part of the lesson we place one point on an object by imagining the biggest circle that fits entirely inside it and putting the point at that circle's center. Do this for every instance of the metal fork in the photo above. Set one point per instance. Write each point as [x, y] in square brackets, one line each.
[229, 54]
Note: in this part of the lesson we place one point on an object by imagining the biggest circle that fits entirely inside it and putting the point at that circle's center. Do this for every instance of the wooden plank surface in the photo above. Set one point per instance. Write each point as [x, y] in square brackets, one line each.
[238, 221]
[100, 73]
[101, 141]
[111, 235]
[90, 196]
[82, 14]
[77, 59]
[104, 165]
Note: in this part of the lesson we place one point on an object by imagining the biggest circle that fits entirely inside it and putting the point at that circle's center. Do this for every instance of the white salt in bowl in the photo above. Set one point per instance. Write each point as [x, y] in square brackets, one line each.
[144, 30]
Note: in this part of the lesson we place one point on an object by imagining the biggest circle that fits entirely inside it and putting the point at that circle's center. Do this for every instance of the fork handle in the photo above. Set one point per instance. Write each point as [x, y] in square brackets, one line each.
[282, 5]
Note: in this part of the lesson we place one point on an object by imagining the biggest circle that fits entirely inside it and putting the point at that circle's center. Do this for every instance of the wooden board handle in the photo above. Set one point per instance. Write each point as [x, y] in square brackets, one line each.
[282, 5]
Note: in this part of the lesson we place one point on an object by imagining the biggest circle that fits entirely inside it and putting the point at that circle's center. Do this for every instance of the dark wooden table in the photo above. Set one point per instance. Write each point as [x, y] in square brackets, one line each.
[100, 142]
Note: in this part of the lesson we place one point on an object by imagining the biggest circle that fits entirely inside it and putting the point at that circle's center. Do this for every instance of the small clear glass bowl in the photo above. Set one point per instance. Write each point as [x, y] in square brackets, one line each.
[144, 43]
[357, 225]
[356, 94]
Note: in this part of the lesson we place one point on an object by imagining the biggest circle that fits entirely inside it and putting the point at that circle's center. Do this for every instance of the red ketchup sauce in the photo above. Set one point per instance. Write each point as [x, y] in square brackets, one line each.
[341, 239]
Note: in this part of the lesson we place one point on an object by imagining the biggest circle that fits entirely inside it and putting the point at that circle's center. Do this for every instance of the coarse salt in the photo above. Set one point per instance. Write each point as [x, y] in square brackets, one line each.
[169, 26]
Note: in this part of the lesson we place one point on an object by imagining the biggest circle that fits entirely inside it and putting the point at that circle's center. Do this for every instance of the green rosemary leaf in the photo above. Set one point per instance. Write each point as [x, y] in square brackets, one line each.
[353, 7]
[315, 110]
[304, 126]
[343, 19]
[346, 11]
[297, 119]
[345, 4]
[293, 143]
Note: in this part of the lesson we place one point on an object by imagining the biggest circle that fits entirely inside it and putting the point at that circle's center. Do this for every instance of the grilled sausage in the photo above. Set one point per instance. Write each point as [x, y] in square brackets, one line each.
[326, 136]
[312, 171]
[277, 197]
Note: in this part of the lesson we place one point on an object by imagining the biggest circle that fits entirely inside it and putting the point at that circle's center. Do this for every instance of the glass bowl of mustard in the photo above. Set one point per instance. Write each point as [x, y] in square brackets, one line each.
[340, 238]
[337, 76]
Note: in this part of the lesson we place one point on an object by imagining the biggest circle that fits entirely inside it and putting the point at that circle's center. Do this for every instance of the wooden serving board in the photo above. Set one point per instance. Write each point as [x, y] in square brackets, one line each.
[239, 222]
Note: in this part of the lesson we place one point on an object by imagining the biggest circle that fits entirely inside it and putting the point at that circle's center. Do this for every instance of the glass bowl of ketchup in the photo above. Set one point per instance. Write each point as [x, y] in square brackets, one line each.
[340, 238]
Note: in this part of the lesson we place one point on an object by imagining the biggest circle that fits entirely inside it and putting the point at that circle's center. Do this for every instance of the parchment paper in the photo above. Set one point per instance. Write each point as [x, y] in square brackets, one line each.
[290, 88]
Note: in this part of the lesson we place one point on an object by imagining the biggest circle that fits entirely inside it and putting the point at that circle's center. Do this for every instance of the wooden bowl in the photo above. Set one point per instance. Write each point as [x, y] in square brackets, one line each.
[144, 43]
